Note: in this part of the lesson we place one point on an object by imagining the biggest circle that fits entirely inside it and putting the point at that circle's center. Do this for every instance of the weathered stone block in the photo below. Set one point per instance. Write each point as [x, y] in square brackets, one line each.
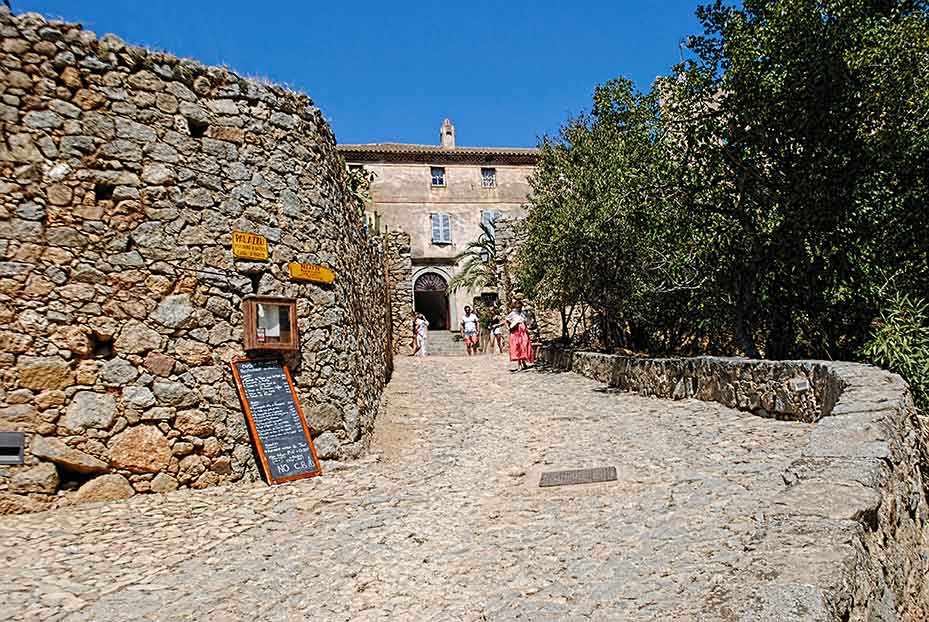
[140, 449]
[174, 311]
[42, 478]
[136, 338]
[56, 451]
[327, 446]
[89, 410]
[45, 372]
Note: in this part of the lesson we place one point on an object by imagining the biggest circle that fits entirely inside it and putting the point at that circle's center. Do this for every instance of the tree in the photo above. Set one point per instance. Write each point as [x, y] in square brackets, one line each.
[759, 200]
[478, 263]
[606, 226]
[803, 124]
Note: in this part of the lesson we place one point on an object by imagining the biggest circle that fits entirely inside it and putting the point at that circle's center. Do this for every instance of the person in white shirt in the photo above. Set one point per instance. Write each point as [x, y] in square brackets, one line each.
[469, 330]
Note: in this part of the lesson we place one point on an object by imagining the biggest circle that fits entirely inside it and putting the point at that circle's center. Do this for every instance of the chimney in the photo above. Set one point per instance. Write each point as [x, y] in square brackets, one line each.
[447, 135]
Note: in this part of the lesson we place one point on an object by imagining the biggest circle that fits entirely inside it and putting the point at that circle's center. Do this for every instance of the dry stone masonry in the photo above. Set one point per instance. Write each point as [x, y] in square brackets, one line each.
[123, 173]
[400, 284]
[857, 489]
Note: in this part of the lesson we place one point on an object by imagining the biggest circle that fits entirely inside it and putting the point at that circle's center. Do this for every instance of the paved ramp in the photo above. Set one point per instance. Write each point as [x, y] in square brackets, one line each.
[448, 523]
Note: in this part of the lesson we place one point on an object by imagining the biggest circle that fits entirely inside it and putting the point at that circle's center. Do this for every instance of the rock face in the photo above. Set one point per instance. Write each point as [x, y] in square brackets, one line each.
[123, 173]
[141, 449]
[858, 483]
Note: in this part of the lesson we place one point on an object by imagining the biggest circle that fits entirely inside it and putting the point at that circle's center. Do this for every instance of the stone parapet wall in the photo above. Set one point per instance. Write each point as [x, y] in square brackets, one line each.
[399, 262]
[123, 173]
[847, 538]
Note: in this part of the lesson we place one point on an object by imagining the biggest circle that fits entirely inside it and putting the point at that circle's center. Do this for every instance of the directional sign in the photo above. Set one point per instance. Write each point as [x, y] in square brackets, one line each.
[311, 272]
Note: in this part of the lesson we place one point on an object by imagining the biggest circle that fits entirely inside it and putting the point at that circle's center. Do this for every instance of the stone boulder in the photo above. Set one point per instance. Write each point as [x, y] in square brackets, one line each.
[140, 449]
[40, 478]
[110, 487]
[56, 451]
[89, 410]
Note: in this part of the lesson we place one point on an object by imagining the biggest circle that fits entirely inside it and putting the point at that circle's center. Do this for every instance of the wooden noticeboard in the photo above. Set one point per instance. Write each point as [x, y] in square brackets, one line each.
[249, 246]
[311, 272]
[275, 420]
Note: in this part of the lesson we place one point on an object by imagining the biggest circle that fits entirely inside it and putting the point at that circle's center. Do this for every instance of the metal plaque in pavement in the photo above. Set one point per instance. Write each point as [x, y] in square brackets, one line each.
[578, 476]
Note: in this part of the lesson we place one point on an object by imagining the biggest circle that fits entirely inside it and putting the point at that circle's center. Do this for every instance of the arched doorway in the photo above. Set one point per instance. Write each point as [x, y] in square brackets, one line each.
[430, 297]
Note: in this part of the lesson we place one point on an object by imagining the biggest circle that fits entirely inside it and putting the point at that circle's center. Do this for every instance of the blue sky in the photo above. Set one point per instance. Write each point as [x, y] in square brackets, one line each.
[505, 72]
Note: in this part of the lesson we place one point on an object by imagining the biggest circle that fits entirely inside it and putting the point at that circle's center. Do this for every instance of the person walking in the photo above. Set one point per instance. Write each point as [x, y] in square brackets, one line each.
[496, 333]
[520, 342]
[422, 335]
[469, 330]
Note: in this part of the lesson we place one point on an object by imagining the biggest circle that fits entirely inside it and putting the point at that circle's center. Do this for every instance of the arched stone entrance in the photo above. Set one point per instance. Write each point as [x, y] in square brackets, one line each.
[430, 297]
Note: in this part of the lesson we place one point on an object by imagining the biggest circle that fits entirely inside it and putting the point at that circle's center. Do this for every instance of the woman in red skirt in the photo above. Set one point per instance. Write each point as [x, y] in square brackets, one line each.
[520, 342]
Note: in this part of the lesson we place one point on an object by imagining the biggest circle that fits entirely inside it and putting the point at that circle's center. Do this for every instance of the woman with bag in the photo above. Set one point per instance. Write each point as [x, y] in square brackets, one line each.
[520, 342]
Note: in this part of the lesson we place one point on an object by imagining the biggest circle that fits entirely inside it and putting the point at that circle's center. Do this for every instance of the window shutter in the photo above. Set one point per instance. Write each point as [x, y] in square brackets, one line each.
[446, 228]
[436, 228]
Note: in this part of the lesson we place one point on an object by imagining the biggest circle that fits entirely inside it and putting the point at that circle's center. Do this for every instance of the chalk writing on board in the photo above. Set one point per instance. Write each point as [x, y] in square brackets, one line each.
[275, 419]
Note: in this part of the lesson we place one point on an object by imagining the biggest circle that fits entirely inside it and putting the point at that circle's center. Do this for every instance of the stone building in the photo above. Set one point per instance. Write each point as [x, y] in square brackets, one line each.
[123, 173]
[440, 194]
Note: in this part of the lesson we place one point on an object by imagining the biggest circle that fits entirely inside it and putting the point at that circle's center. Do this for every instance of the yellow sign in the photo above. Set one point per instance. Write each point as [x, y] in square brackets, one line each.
[249, 246]
[311, 272]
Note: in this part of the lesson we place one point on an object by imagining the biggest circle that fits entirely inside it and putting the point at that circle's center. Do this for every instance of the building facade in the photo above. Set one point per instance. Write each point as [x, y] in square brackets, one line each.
[440, 194]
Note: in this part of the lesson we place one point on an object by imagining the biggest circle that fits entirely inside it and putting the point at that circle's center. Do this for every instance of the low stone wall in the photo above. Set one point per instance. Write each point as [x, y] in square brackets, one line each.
[847, 539]
[123, 173]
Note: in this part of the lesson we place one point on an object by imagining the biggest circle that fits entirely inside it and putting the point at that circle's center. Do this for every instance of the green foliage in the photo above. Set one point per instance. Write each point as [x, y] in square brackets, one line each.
[359, 187]
[754, 202]
[478, 263]
[608, 225]
[900, 343]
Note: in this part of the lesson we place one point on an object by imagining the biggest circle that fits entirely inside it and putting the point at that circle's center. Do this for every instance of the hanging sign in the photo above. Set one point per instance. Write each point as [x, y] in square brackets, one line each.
[311, 272]
[277, 424]
[249, 246]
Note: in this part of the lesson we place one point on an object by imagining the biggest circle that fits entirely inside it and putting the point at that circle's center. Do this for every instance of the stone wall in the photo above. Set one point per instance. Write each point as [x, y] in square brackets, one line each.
[400, 283]
[848, 537]
[123, 173]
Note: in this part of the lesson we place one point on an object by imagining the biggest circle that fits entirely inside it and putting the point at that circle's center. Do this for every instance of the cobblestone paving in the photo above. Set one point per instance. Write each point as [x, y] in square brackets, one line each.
[444, 522]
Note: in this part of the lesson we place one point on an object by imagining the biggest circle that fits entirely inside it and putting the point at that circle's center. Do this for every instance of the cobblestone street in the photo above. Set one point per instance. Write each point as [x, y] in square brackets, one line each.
[444, 521]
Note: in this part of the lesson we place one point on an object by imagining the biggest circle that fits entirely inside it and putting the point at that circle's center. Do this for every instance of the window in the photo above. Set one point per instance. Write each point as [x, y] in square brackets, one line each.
[488, 178]
[441, 229]
[438, 177]
[488, 219]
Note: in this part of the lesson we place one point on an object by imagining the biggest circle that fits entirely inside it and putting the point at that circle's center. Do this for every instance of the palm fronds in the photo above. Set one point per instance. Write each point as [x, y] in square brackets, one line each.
[478, 263]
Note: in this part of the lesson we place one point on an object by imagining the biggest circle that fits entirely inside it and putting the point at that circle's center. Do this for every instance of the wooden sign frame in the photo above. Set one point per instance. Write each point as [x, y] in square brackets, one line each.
[251, 422]
[250, 312]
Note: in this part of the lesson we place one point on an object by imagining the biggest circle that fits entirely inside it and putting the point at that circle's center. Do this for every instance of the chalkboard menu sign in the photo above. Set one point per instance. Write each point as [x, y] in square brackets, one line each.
[274, 417]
